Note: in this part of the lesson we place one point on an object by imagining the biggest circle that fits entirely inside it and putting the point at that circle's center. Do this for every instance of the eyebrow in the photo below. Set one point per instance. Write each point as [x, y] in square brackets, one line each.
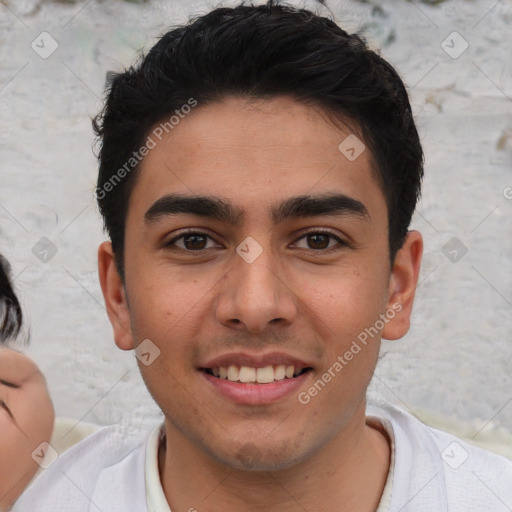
[291, 208]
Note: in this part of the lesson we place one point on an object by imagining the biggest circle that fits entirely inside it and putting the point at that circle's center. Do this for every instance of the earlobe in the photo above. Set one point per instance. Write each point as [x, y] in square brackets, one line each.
[402, 286]
[115, 297]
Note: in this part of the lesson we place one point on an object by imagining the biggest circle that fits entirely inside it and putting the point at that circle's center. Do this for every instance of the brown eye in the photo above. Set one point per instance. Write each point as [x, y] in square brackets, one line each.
[318, 241]
[191, 241]
[194, 242]
[321, 241]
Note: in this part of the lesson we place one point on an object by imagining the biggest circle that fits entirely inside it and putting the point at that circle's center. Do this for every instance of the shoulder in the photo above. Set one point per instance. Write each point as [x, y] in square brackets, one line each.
[82, 478]
[436, 469]
[473, 477]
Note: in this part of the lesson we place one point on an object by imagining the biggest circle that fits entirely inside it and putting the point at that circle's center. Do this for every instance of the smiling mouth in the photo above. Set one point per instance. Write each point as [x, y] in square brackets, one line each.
[251, 375]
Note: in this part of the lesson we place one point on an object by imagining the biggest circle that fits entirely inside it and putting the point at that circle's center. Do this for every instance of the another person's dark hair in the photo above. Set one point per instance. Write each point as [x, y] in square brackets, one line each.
[10, 310]
[261, 52]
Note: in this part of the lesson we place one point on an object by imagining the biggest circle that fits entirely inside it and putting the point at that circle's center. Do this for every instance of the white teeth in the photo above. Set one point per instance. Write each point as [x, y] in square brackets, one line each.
[264, 375]
[233, 372]
[247, 374]
[280, 372]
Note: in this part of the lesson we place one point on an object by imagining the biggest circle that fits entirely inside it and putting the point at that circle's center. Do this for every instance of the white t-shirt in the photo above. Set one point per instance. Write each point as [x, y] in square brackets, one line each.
[115, 470]
[157, 501]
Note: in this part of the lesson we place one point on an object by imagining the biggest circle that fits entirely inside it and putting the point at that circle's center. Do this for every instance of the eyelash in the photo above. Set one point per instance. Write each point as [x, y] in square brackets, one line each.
[341, 243]
[9, 384]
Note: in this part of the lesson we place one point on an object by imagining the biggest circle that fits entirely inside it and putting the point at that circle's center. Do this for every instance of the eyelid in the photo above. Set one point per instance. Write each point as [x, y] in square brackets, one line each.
[325, 231]
[9, 384]
[189, 231]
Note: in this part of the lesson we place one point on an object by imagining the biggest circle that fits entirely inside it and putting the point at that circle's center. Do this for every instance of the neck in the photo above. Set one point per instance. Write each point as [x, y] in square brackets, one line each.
[348, 474]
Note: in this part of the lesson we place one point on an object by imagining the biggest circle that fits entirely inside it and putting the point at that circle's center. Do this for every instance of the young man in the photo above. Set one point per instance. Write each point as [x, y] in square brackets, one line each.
[258, 173]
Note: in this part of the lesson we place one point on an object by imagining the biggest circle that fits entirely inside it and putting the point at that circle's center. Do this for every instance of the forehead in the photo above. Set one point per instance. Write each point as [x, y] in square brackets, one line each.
[16, 366]
[256, 151]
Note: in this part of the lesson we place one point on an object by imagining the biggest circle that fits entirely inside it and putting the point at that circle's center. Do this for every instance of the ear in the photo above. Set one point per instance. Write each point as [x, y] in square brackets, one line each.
[115, 297]
[402, 286]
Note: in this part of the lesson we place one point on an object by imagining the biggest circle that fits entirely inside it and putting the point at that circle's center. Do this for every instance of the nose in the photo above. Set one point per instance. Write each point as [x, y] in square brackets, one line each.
[255, 295]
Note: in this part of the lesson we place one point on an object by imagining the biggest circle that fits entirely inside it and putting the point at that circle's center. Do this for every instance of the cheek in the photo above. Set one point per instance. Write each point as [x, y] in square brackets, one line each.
[35, 414]
[168, 306]
[347, 302]
[9, 434]
[154, 289]
[16, 447]
[170, 314]
[166, 381]
[16, 464]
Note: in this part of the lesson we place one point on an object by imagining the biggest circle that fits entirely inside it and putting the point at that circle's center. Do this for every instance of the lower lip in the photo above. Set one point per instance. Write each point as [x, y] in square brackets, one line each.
[253, 393]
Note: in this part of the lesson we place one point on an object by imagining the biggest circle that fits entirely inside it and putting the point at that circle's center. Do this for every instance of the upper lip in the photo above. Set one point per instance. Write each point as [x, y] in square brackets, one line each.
[255, 360]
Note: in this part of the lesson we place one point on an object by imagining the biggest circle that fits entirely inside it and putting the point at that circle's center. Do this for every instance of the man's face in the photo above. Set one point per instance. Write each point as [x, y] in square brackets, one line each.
[270, 290]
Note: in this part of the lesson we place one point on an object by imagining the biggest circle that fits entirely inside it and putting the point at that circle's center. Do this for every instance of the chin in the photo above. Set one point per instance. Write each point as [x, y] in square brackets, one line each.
[253, 457]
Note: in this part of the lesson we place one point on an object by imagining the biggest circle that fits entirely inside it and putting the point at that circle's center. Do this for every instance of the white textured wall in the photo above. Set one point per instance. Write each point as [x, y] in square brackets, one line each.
[455, 363]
